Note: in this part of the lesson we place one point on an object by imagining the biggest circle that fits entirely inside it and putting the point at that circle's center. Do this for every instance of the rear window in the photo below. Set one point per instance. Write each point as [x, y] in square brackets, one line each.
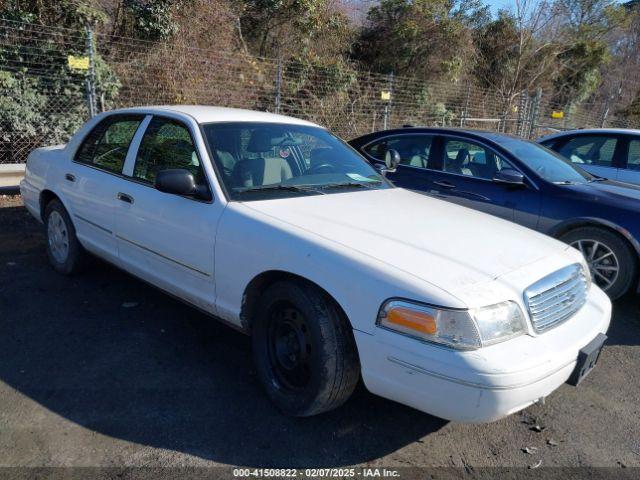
[106, 146]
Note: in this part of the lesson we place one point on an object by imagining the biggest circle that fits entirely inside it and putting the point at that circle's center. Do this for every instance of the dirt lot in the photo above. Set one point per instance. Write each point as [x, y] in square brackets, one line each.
[103, 370]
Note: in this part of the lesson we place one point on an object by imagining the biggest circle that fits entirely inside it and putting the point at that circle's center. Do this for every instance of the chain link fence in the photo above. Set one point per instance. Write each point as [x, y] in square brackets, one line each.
[53, 79]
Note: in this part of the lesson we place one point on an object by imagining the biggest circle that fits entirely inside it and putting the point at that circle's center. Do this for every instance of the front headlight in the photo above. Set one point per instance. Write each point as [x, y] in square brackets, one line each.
[460, 329]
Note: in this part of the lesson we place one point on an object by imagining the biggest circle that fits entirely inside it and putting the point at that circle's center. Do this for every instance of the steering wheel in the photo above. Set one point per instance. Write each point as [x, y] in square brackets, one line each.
[323, 168]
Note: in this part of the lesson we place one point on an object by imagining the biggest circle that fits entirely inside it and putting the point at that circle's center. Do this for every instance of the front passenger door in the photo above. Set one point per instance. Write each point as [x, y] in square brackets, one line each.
[467, 178]
[168, 239]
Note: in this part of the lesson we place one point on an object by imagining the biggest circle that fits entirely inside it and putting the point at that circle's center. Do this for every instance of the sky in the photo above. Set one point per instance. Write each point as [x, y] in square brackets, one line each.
[360, 7]
[498, 4]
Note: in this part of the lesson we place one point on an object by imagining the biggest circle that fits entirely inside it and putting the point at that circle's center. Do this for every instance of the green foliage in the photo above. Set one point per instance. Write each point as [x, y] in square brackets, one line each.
[42, 100]
[424, 38]
[153, 19]
[496, 49]
[579, 76]
[295, 27]
[21, 106]
[66, 13]
[304, 77]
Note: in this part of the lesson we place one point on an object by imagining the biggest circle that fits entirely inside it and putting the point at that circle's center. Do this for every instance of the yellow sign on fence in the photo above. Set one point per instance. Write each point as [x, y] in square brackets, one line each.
[555, 114]
[385, 95]
[78, 63]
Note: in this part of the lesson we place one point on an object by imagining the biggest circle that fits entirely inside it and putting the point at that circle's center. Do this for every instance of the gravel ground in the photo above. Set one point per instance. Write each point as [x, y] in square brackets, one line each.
[102, 370]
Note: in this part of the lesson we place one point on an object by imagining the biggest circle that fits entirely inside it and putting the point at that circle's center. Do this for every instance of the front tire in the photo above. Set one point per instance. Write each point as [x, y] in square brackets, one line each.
[612, 262]
[65, 253]
[304, 350]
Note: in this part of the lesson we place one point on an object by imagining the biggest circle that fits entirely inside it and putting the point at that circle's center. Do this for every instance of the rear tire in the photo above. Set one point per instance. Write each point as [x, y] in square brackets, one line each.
[612, 261]
[66, 255]
[304, 350]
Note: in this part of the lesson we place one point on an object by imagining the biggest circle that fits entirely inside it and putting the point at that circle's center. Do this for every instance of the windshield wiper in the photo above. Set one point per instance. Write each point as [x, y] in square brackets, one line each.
[286, 188]
[348, 185]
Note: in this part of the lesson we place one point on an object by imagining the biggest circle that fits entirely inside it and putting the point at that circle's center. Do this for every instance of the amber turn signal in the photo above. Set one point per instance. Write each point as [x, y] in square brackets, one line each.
[414, 320]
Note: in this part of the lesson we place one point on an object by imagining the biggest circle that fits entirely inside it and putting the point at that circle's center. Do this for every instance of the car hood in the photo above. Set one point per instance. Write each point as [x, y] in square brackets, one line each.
[439, 242]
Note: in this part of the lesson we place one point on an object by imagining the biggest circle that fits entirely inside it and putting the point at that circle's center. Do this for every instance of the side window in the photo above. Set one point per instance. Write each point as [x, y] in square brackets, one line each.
[633, 162]
[377, 149]
[472, 160]
[590, 150]
[413, 149]
[166, 144]
[107, 144]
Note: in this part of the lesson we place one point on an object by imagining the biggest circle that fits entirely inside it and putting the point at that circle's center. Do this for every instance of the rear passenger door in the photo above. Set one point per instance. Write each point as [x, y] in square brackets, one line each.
[598, 154]
[418, 159]
[163, 238]
[630, 171]
[93, 178]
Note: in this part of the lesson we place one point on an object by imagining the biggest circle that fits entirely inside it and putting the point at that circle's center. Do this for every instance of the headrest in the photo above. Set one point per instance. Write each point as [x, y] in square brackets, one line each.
[260, 141]
[462, 156]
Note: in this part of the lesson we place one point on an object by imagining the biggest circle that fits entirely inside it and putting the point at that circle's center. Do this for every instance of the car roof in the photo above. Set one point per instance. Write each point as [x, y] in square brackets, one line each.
[492, 136]
[210, 114]
[588, 131]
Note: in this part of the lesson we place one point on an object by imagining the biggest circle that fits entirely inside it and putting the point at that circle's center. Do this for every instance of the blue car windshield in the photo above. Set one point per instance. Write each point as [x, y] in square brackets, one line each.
[544, 162]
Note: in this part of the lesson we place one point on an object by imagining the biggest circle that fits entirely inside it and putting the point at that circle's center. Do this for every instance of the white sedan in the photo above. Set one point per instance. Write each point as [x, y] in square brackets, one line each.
[275, 226]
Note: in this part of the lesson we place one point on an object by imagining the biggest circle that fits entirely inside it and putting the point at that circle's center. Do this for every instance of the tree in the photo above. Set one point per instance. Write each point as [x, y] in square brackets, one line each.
[585, 25]
[43, 98]
[421, 38]
[146, 19]
[516, 51]
[309, 28]
[75, 14]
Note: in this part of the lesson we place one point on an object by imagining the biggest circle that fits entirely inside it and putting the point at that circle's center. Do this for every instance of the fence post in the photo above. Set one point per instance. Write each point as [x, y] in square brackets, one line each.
[522, 110]
[605, 113]
[91, 74]
[535, 112]
[387, 106]
[278, 83]
[465, 112]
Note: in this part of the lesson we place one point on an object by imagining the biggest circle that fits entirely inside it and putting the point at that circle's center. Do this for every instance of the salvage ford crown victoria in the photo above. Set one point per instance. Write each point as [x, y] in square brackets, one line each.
[275, 226]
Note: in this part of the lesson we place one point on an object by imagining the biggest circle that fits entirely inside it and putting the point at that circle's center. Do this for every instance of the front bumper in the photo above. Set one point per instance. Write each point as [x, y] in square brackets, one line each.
[480, 385]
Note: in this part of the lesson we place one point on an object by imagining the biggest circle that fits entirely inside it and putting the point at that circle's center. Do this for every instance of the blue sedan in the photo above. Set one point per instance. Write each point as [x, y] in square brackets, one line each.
[523, 182]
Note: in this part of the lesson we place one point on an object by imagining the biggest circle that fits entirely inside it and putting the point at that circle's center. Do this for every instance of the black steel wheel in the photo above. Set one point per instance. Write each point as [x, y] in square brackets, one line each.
[304, 349]
[290, 347]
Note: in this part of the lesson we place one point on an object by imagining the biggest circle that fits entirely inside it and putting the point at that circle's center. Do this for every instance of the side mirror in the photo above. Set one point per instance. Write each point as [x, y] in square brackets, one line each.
[391, 162]
[177, 181]
[508, 176]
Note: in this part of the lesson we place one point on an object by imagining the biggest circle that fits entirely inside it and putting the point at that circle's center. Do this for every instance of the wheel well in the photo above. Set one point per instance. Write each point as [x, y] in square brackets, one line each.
[574, 226]
[45, 197]
[568, 228]
[261, 282]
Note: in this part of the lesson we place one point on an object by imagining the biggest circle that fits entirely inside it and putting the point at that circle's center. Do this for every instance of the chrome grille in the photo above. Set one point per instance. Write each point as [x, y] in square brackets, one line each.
[556, 298]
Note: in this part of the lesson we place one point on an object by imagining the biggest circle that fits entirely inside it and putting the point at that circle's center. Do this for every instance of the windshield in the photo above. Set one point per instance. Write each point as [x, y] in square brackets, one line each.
[265, 160]
[544, 162]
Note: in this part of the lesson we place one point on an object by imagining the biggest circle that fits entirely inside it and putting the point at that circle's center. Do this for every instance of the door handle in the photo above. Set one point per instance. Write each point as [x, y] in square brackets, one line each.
[125, 198]
[70, 177]
[444, 184]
